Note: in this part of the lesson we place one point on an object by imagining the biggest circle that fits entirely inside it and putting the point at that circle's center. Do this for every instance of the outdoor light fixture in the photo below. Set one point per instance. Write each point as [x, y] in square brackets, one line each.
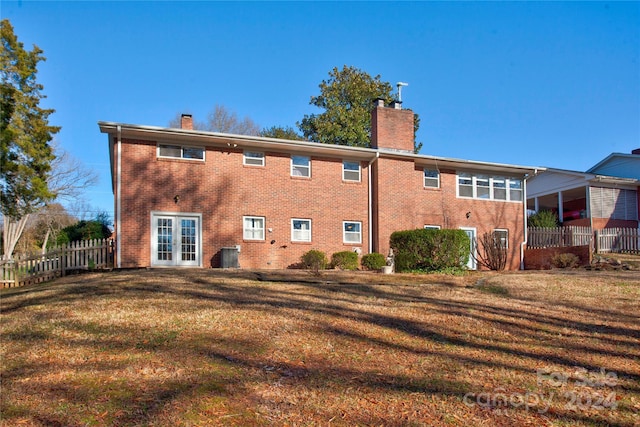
[468, 215]
[176, 199]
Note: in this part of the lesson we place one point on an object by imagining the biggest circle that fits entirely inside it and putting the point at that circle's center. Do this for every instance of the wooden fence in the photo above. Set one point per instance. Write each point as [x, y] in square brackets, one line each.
[618, 240]
[81, 255]
[557, 237]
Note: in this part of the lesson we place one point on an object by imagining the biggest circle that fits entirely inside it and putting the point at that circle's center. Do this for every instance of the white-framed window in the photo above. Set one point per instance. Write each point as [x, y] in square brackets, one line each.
[300, 230]
[350, 171]
[431, 178]
[515, 190]
[352, 232]
[489, 187]
[301, 166]
[432, 227]
[499, 188]
[465, 185]
[180, 152]
[253, 227]
[501, 235]
[253, 158]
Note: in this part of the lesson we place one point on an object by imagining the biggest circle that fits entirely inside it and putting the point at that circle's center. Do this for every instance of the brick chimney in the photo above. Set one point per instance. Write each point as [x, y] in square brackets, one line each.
[392, 127]
[186, 122]
[636, 151]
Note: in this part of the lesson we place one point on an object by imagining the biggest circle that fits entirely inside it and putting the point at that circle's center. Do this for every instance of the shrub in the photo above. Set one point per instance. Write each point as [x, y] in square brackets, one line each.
[543, 219]
[345, 260]
[566, 260]
[373, 261]
[429, 249]
[314, 260]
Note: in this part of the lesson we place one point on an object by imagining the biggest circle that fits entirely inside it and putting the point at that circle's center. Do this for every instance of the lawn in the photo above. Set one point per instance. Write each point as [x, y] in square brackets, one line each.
[209, 347]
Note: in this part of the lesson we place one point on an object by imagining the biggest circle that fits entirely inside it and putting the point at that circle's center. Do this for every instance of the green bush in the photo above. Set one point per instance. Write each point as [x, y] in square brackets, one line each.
[345, 260]
[543, 219]
[430, 249]
[373, 261]
[566, 260]
[314, 260]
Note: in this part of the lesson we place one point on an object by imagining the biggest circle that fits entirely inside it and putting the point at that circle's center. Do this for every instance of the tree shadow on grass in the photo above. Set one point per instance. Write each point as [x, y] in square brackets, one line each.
[378, 306]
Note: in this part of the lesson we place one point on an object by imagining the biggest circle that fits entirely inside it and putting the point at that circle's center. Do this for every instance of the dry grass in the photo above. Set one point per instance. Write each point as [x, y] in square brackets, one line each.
[206, 347]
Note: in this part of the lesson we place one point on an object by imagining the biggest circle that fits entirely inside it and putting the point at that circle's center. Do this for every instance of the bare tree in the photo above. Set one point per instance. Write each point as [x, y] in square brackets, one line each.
[67, 179]
[492, 252]
[222, 120]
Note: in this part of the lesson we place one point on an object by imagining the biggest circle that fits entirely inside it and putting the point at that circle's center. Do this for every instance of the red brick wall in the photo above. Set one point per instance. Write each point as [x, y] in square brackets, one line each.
[540, 259]
[404, 204]
[223, 191]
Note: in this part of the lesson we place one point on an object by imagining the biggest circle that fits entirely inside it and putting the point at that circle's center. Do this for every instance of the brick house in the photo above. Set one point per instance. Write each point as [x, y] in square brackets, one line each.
[607, 195]
[183, 197]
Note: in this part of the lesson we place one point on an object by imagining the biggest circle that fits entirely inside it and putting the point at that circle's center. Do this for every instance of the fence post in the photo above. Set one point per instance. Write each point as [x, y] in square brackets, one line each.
[597, 241]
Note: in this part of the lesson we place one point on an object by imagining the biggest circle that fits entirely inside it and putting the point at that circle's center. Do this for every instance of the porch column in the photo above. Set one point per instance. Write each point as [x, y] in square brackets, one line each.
[560, 209]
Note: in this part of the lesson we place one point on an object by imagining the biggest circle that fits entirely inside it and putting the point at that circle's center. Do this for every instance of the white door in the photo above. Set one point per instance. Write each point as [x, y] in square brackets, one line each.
[471, 232]
[175, 240]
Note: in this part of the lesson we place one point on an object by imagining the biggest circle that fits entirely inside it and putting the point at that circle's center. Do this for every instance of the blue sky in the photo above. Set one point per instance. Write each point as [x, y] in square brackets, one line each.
[530, 83]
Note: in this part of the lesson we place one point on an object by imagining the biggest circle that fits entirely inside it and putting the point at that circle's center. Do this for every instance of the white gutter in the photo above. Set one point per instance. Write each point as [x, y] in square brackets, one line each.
[523, 245]
[118, 200]
[370, 210]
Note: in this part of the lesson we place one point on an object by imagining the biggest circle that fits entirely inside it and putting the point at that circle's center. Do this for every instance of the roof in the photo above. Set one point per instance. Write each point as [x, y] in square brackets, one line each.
[206, 138]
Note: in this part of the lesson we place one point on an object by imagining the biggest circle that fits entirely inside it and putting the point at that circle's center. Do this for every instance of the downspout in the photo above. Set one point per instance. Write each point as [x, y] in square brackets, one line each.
[523, 245]
[118, 199]
[370, 211]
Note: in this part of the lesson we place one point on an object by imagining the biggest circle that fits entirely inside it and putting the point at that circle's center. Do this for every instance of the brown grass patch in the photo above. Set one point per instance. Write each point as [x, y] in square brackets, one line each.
[209, 347]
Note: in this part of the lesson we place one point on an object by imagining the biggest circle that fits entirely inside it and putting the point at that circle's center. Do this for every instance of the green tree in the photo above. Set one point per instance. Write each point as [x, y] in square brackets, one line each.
[347, 100]
[25, 136]
[280, 132]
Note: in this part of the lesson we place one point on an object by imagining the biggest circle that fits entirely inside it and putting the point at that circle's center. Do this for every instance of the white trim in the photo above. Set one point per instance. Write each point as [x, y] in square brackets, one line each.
[472, 263]
[245, 157]
[344, 171]
[344, 232]
[432, 227]
[488, 179]
[182, 148]
[430, 178]
[308, 167]
[177, 216]
[244, 228]
[506, 230]
[293, 230]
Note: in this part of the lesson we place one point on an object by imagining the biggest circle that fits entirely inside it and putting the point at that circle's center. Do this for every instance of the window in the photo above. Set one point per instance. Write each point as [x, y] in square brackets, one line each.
[180, 152]
[489, 187]
[352, 232]
[350, 171]
[501, 236]
[300, 230]
[253, 158]
[301, 166]
[253, 228]
[431, 178]
[499, 188]
[482, 187]
[465, 185]
[432, 227]
[515, 190]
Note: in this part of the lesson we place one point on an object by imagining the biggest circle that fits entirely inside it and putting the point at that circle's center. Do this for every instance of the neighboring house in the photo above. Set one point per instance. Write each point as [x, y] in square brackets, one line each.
[607, 195]
[183, 197]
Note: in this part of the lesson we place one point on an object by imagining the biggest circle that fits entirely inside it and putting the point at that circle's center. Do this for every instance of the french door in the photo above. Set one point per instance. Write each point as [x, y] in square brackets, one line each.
[175, 239]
